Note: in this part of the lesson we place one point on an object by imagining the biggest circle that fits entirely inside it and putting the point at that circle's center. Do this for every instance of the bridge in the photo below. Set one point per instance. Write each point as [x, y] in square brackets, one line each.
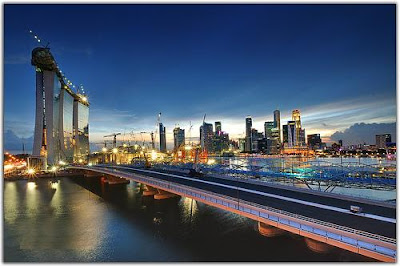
[316, 215]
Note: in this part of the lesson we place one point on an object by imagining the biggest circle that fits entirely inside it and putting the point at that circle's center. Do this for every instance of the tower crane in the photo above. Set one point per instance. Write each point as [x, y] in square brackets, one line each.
[115, 138]
[152, 138]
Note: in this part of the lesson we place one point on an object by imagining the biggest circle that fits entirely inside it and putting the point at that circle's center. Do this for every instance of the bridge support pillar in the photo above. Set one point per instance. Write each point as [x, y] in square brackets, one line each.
[269, 230]
[149, 191]
[164, 195]
[316, 246]
[113, 180]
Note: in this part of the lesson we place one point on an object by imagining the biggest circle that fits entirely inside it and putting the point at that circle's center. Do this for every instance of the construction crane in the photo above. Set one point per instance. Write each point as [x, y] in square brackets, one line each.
[152, 138]
[115, 138]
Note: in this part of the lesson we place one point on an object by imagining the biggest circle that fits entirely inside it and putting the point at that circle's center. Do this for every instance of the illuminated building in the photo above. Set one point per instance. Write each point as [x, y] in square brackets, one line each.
[296, 119]
[220, 140]
[268, 126]
[206, 137]
[61, 121]
[314, 141]
[277, 123]
[218, 127]
[383, 140]
[272, 137]
[248, 143]
[285, 134]
[163, 141]
[291, 134]
[179, 137]
[256, 138]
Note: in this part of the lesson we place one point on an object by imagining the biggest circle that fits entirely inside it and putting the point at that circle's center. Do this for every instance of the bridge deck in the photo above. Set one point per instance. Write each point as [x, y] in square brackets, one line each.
[375, 219]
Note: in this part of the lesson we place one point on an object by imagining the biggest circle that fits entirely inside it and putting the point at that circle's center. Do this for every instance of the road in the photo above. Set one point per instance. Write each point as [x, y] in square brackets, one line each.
[376, 219]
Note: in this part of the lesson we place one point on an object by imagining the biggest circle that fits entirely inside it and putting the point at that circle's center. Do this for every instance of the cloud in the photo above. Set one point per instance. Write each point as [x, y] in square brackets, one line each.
[362, 132]
[14, 143]
[23, 129]
[17, 60]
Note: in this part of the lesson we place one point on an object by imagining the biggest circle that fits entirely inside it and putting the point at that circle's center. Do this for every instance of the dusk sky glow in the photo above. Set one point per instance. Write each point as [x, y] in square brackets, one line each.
[337, 64]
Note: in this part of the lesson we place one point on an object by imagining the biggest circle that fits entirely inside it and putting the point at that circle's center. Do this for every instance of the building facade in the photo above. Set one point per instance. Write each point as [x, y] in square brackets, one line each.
[206, 137]
[383, 140]
[277, 123]
[249, 141]
[59, 119]
[314, 141]
[81, 131]
[179, 138]
[163, 140]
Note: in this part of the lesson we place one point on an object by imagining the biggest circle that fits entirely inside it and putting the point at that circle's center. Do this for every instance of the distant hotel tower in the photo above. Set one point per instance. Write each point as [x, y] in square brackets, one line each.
[62, 116]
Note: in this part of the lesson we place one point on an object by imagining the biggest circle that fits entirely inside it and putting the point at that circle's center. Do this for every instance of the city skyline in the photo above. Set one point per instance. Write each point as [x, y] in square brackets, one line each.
[333, 97]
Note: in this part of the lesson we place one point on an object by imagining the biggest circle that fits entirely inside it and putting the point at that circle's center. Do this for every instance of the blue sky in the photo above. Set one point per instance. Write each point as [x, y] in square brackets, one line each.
[336, 63]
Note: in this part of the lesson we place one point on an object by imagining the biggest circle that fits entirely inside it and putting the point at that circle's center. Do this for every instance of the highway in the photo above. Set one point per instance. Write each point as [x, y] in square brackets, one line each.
[375, 218]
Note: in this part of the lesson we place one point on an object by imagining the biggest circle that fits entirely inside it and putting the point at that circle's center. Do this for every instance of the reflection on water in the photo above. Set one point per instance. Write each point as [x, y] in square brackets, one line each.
[80, 220]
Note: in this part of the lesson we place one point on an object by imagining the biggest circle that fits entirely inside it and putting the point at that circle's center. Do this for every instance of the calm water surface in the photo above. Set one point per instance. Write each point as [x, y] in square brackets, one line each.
[78, 219]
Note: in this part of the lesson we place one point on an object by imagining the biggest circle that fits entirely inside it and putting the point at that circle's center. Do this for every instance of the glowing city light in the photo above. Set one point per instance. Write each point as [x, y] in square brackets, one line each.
[61, 163]
[153, 155]
[104, 149]
[115, 150]
[211, 161]
[31, 171]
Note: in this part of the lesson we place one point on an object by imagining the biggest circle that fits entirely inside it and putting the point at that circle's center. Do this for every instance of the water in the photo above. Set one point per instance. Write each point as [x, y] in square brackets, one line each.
[77, 219]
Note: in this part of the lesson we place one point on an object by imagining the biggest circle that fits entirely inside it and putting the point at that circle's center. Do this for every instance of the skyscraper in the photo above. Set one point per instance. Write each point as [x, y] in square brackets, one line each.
[314, 141]
[179, 137]
[285, 134]
[163, 142]
[291, 127]
[296, 119]
[268, 126]
[206, 137]
[249, 124]
[218, 127]
[383, 140]
[61, 121]
[277, 123]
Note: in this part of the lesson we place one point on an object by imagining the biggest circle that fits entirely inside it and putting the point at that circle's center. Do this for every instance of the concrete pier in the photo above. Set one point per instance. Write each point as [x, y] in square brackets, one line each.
[268, 230]
[316, 246]
[162, 194]
[149, 191]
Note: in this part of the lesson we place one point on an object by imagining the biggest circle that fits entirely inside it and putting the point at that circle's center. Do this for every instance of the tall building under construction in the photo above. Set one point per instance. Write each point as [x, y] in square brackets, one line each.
[62, 116]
